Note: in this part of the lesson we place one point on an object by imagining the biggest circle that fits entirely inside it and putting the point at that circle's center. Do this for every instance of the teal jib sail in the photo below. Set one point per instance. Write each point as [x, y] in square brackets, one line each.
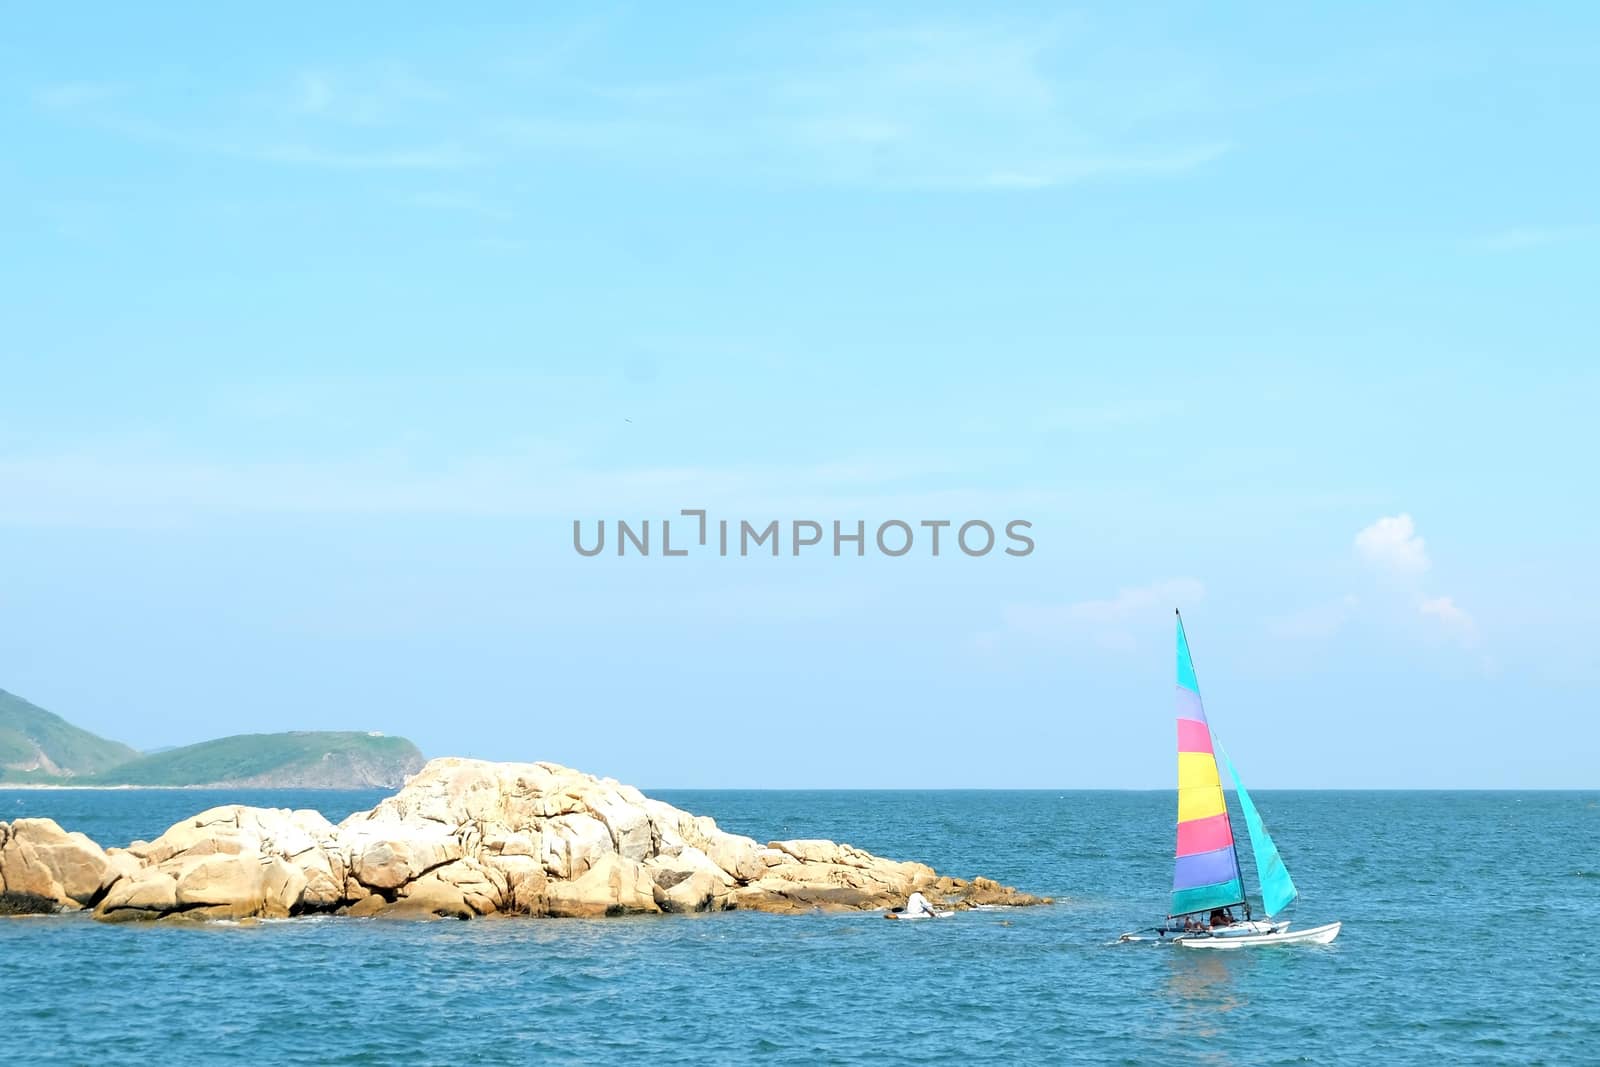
[1277, 888]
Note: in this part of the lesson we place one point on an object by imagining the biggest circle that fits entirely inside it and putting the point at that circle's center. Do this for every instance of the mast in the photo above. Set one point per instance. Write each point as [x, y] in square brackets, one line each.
[1231, 835]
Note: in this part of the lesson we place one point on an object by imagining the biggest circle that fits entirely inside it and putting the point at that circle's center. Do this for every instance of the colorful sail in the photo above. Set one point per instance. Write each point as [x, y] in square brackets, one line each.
[1277, 888]
[1206, 874]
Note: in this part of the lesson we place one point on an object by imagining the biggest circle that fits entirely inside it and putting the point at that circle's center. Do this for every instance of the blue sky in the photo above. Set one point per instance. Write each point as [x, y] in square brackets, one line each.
[319, 332]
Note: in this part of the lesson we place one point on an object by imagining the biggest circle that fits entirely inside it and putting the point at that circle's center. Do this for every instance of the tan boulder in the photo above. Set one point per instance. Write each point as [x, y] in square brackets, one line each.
[431, 896]
[665, 837]
[688, 881]
[148, 894]
[627, 823]
[460, 890]
[366, 907]
[325, 881]
[572, 844]
[39, 857]
[181, 837]
[505, 842]
[236, 886]
[810, 850]
[384, 855]
[481, 886]
[675, 830]
[122, 864]
[613, 886]
[525, 881]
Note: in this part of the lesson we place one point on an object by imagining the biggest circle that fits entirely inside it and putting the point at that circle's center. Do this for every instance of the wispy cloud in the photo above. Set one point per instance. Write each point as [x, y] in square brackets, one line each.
[133, 487]
[383, 95]
[429, 157]
[1112, 623]
[1455, 622]
[972, 106]
[66, 96]
[284, 128]
[455, 203]
[1517, 238]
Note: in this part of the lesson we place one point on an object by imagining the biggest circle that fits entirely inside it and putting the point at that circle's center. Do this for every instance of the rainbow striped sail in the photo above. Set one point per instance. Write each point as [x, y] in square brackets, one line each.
[1206, 874]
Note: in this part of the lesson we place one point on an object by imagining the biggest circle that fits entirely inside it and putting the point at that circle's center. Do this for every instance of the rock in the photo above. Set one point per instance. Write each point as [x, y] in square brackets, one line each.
[694, 891]
[388, 855]
[465, 838]
[480, 887]
[148, 894]
[573, 843]
[788, 896]
[325, 880]
[13, 904]
[628, 824]
[689, 881]
[209, 825]
[41, 858]
[366, 907]
[432, 896]
[613, 886]
[525, 881]
[238, 886]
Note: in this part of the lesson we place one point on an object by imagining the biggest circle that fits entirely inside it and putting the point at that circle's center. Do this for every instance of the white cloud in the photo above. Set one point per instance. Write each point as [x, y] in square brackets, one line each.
[1111, 623]
[1397, 553]
[1397, 602]
[1392, 545]
[1455, 622]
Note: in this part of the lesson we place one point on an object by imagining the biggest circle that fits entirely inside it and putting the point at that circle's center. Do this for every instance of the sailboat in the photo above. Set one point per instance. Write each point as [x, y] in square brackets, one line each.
[1206, 881]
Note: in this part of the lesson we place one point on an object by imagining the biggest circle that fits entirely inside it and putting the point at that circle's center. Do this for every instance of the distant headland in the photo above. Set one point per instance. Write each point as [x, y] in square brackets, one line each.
[39, 749]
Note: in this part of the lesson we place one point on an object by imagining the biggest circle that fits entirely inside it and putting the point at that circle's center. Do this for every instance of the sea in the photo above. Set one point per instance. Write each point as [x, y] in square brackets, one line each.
[1470, 931]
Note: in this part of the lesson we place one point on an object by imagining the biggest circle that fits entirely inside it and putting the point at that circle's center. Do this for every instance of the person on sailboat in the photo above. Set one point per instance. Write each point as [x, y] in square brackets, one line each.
[1221, 917]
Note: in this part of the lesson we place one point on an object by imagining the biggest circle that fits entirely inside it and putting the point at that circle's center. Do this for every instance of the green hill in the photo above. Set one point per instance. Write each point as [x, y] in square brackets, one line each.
[299, 760]
[41, 748]
[37, 746]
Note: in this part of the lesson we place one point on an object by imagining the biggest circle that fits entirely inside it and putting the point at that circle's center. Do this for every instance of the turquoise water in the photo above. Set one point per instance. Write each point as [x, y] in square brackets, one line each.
[1468, 937]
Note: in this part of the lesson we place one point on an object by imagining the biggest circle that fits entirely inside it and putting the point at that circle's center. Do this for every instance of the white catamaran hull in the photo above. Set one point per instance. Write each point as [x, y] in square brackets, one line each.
[1314, 935]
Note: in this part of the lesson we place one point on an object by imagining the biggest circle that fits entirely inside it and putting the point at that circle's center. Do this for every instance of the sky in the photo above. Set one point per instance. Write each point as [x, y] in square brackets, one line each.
[318, 332]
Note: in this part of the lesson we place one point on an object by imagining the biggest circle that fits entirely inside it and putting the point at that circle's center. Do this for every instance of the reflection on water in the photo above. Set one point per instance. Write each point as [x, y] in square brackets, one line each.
[1201, 993]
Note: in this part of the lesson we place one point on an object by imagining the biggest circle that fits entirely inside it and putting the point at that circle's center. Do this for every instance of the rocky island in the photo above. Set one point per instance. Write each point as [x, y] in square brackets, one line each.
[463, 838]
